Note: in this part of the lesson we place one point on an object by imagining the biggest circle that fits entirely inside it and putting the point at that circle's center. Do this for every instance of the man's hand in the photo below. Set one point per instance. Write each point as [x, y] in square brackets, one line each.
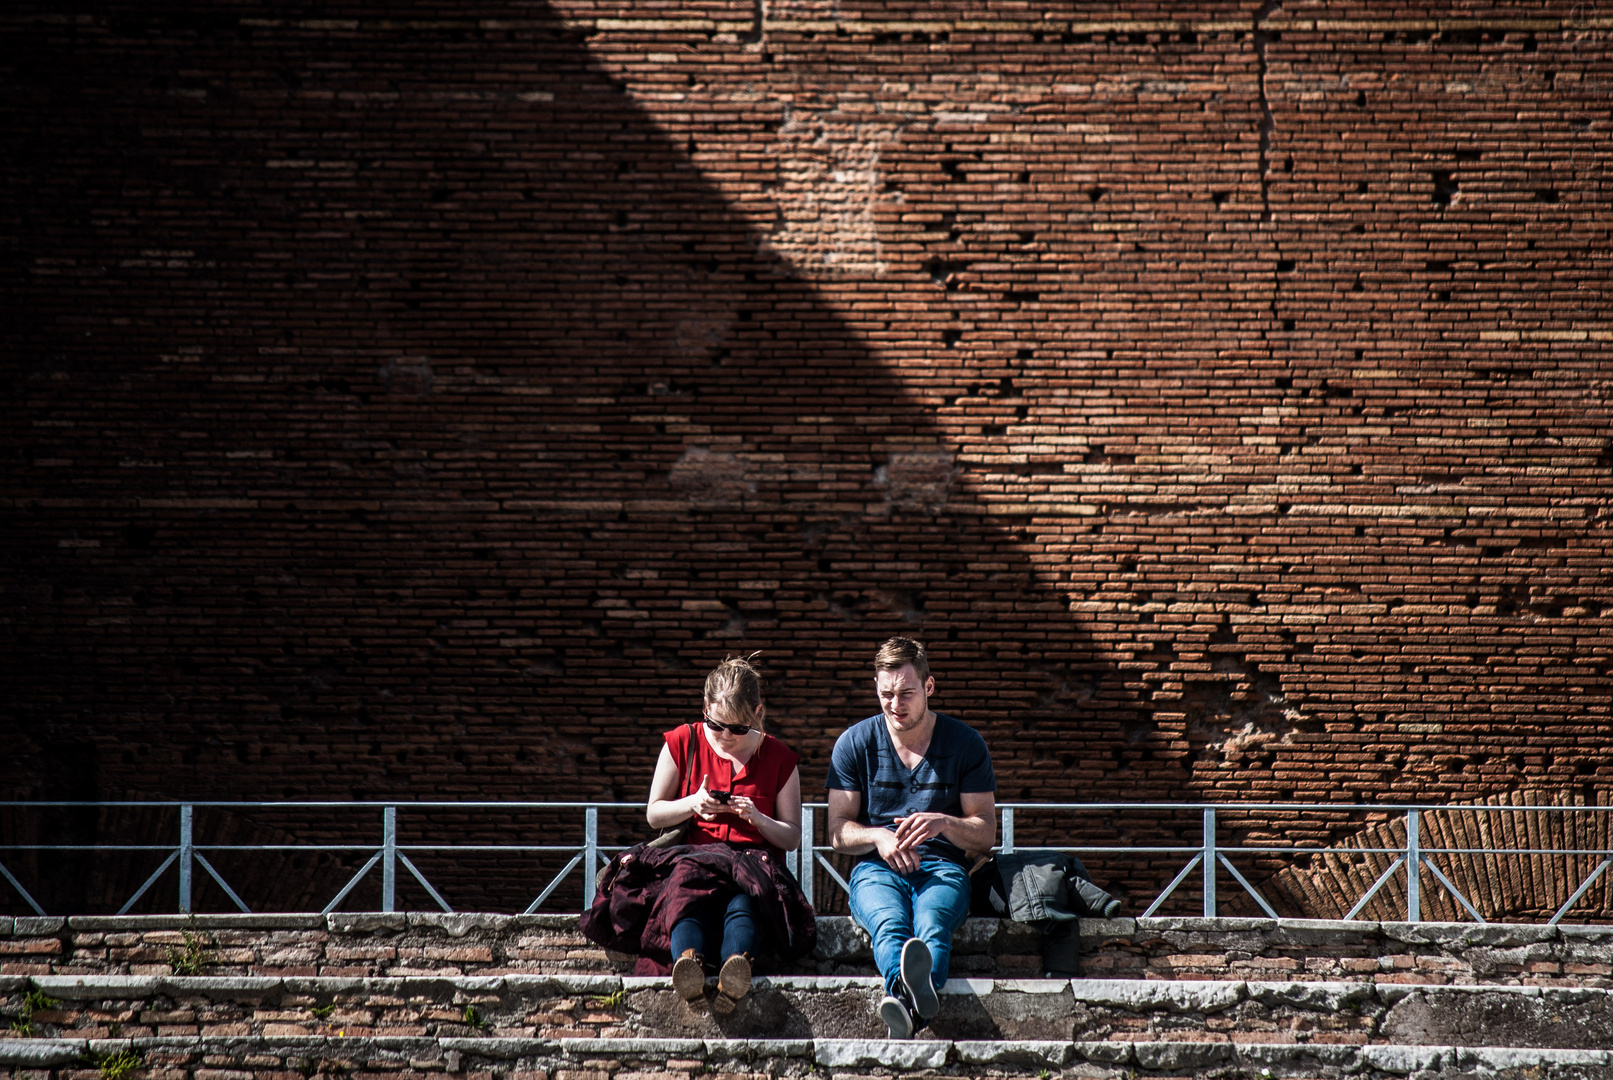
[901, 859]
[915, 829]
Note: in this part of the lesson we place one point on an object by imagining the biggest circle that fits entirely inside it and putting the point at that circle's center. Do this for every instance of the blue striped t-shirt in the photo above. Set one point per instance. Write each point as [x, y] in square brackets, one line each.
[957, 761]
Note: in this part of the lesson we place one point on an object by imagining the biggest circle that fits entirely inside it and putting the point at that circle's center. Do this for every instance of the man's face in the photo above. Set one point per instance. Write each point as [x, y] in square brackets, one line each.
[904, 700]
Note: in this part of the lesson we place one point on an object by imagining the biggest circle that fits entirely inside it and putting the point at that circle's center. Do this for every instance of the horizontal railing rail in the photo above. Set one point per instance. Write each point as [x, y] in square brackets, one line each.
[1209, 855]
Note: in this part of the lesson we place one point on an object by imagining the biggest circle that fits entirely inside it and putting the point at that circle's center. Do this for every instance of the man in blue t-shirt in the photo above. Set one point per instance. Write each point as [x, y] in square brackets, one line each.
[910, 790]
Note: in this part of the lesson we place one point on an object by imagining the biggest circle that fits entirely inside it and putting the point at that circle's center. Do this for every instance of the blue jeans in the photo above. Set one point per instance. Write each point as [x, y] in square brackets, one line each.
[929, 904]
[709, 927]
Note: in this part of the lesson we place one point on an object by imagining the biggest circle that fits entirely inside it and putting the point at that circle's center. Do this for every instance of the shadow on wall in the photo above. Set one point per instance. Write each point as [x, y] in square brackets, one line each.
[426, 425]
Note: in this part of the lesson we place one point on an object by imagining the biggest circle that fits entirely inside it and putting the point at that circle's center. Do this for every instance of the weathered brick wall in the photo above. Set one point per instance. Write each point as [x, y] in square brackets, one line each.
[407, 400]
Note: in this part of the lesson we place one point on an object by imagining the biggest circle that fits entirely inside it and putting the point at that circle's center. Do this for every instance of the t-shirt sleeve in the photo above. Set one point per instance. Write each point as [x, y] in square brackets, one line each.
[846, 766]
[976, 774]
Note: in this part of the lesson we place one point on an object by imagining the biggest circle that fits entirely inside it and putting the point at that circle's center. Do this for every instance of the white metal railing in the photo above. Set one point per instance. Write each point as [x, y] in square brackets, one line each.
[1208, 856]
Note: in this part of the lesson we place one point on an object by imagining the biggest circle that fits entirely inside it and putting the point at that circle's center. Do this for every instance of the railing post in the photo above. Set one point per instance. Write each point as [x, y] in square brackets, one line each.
[809, 861]
[590, 855]
[1414, 869]
[389, 858]
[1208, 856]
[187, 855]
[1007, 846]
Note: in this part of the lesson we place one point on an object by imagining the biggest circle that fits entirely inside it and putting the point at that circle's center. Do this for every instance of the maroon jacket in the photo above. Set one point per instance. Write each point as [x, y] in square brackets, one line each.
[644, 890]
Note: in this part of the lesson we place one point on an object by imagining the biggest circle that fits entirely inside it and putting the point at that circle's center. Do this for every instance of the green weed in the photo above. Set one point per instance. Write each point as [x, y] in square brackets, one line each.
[197, 954]
[118, 1066]
[608, 1001]
[323, 1011]
[474, 1018]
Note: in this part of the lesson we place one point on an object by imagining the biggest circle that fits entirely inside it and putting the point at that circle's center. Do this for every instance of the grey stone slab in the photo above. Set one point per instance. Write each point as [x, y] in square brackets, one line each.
[1585, 935]
[1318, 996]
[102, 1047]
[890, 1053]
[239, 921]
[1292, 1056]
[504, 1049]
[1526, 1059]
[1333, 932]
[828, 983]
[458, 924]
[1139, 995]
[477, 984]
[1462, 935]
[1177, 1056]
[555, 921]
[839, 938]
[1203, 926]
[322, 984]
[37, 925]
[8, 925]
[13, 984]
[634, 983]
[757, 1049]
[98, 987]
[1393, 993]
[1404, 1060]
[565, 984]
[687, 1047]
[220, 987]
[970, 987]
[1103, 1053]
[36, 1053]
[1108, 928]
[360, 922]
[1031, 1052]
[1031, 986]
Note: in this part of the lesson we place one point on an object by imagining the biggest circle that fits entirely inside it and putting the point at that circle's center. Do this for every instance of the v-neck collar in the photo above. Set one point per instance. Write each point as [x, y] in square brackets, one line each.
[896, 752]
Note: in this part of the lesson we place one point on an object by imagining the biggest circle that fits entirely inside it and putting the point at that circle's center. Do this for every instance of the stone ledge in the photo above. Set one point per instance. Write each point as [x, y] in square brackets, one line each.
[1176, 1057]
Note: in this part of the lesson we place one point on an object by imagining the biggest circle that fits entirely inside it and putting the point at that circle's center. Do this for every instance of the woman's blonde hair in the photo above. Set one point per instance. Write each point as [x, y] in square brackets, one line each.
[735, 687]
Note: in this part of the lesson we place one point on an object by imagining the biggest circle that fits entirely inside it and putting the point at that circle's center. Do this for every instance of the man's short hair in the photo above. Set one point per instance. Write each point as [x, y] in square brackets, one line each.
[899, 652]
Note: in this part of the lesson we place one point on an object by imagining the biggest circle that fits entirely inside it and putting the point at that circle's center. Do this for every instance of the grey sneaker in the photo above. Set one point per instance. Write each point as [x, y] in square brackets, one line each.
[916, 967]
[895, 1015]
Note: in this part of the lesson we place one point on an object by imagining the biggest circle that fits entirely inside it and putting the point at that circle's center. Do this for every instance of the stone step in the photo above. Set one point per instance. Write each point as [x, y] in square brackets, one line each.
[423, 943]
[202, 1057]
[806, 1007]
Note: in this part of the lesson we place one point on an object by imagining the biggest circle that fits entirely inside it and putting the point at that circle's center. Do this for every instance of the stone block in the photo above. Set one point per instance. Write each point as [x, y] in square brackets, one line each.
[1181, 1056]
[458, 924]
[882, 1053]
[1315, 996]
[757, 1049]
[41, 1053]
[362, 922]
[37, 925]
[1030, 1053]
[221, 988]
[98, 987]
[1177, 997]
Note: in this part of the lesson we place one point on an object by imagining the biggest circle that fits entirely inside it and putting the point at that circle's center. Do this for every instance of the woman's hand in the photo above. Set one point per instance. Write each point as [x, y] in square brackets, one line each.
[704, 803]
[745, 809]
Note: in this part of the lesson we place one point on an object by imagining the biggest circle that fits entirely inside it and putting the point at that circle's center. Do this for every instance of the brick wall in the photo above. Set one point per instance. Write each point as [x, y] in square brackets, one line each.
[414, 401]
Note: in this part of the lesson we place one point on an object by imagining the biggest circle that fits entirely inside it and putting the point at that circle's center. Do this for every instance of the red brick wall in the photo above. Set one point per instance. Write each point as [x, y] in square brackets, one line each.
[413, 402]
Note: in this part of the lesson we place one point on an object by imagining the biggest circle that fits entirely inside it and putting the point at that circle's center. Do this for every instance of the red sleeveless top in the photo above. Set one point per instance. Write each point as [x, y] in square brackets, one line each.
[760, 780]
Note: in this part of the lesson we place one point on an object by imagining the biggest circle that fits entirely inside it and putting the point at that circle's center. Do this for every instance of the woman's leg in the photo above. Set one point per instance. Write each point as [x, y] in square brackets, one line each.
[739, 933]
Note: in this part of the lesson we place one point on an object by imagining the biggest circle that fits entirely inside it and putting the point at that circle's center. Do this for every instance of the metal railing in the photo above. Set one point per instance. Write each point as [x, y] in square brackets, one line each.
[1208, 856]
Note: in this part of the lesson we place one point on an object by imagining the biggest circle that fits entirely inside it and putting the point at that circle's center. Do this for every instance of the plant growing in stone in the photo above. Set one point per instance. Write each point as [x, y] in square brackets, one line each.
[34, 1001]
[119, 1065]
[197, 954]
[474, 1018]
[608, 1001]
[323, 1011]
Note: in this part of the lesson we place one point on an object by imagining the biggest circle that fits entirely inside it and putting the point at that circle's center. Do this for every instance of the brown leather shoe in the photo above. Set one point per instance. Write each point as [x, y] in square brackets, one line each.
[733, 981]
[689, 976]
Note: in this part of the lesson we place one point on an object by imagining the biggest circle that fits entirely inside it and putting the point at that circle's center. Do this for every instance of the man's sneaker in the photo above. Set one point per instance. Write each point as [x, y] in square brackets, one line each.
[896, 1017]
[689, 976]
[916, 967]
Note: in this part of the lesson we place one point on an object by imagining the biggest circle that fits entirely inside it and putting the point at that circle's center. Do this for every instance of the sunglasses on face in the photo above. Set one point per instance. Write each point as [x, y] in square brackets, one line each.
[732, 729]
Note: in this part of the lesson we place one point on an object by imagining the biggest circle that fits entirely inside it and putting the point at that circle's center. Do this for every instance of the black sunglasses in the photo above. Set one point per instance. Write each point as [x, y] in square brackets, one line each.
[732, 729]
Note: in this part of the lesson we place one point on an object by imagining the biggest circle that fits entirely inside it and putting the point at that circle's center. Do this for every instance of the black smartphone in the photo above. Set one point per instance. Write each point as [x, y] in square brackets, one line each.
[720, 796]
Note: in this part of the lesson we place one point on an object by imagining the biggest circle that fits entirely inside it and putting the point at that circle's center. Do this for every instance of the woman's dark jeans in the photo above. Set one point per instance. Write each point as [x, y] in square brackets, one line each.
[712, 925]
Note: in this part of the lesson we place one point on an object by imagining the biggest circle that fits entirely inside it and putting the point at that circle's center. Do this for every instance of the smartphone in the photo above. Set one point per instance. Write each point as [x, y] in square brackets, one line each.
[720, 796]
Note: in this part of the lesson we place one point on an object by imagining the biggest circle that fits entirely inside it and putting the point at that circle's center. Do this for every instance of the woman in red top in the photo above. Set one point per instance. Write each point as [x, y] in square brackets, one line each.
[743, 789]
